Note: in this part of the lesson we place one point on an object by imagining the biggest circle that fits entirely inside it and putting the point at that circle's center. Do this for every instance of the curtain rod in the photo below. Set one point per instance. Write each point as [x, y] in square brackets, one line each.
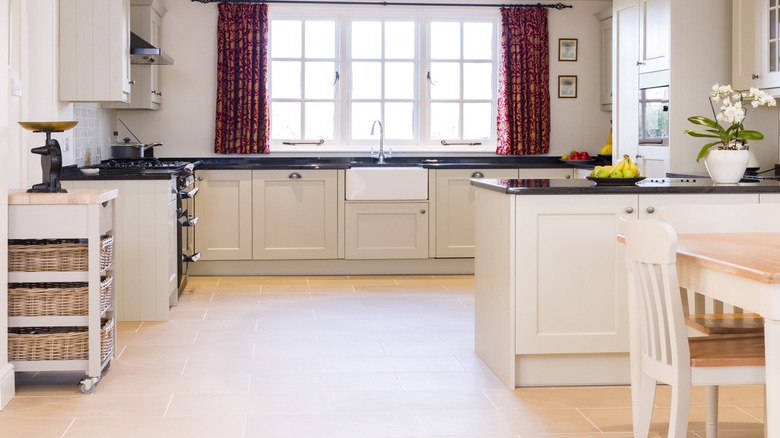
[558, 6]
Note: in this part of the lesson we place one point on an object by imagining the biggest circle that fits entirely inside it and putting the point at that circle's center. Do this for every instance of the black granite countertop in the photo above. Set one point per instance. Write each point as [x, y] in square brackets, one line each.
[647, 186]
[425, 162]
[269, 163]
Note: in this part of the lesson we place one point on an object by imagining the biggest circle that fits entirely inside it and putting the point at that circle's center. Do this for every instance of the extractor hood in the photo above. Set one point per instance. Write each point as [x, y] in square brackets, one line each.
[142, 52]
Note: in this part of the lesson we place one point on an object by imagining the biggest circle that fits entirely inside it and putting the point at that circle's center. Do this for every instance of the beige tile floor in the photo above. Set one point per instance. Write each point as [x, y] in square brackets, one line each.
[322, 357]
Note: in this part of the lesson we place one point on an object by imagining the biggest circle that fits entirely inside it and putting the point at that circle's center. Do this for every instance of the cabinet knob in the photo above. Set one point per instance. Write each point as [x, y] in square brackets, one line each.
[200, 178]
[159, 93]
[754, 76]
[629, 210]
[477, 175]
[650, 210]
[640, 63]
[154, 92]
[568, 176]
[422, 211]
[295, 175]
[131, 82]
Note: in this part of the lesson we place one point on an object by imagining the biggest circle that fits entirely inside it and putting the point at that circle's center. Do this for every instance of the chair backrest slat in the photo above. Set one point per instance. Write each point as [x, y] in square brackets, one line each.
[651, 247]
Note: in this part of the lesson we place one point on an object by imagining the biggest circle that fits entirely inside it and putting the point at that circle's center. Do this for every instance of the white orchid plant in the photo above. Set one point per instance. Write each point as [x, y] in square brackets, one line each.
[732, 112]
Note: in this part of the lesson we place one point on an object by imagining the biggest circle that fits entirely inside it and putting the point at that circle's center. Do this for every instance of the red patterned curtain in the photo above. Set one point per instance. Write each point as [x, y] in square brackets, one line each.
[524, 83]
[242, 72]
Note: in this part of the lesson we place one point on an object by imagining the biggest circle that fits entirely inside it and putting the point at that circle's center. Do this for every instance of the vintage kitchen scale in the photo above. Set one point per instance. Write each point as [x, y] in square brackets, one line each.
[51, 155]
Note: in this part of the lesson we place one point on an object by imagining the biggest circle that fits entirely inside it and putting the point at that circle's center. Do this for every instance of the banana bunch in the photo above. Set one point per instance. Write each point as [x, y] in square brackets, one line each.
[623, 169]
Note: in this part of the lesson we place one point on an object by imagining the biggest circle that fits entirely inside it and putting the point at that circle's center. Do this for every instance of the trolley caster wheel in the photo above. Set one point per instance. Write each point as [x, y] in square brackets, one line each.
[89, 385]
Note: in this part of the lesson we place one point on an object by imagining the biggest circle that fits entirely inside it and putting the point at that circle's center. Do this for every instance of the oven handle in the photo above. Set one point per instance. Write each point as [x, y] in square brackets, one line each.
[188, 221]
[192, 258]
[190, 194]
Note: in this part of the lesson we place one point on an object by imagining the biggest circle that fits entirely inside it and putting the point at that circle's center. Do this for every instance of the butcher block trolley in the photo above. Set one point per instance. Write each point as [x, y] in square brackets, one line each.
[61, 306]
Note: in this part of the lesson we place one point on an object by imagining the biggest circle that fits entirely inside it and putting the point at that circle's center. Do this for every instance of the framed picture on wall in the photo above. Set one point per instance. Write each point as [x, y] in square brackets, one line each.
[567, 87]
[567, 49]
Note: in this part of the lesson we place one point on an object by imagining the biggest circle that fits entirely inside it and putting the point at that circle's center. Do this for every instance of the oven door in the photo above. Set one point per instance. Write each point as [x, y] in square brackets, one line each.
[186, 229]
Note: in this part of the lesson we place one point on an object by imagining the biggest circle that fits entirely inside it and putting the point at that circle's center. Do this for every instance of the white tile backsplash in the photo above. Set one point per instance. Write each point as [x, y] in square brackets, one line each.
[87, 139]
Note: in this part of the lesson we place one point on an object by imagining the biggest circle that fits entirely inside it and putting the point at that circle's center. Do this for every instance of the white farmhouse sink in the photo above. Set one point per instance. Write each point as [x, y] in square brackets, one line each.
[387, 183]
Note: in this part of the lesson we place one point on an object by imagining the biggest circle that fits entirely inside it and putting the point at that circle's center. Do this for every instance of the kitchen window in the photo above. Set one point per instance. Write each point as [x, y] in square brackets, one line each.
[429, 76]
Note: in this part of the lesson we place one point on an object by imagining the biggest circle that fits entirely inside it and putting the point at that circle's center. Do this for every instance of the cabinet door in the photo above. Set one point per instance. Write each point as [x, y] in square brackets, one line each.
[626, 112]
[224, 206]
[571, 286]
[653, 161]
[747, 53]
[649, 205]
[605, 40]
[94, 42]
[295, 214]
[386, 230]
[173, 253]
[454, 224]
[654, 34]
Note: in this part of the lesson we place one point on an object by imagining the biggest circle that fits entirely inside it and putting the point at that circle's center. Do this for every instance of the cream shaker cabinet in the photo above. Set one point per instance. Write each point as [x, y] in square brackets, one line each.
[295, 214]
[224, 206]
[654, 35]
[755, 44]
[145, 21]
[453, 226]
[386, 230]
[94, 41]
[605, 56]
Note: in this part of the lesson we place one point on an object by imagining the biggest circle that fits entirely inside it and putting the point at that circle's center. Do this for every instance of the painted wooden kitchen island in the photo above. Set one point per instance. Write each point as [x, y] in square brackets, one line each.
[551, 304]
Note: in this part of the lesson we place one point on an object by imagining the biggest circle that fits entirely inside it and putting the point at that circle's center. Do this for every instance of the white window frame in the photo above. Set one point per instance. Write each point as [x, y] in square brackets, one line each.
[423, 16]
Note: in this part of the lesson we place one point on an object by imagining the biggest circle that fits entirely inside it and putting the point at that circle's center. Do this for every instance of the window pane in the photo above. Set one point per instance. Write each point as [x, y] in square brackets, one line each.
[319, 79]
[285, 79]
[445, 40]
[320, 39]
[477, 40]
[319, 120]
[366, 80]
[363, 115]
[286, 120]
[285, 39]
[399, 120]
[444, 120]
[478, 122]
[399, 80]
[367, 39]
[399, 40]
[477, 80]
[446, 77]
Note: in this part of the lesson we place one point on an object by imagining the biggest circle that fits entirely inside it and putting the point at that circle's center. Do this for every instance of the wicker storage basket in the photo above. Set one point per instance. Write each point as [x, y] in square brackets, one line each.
[58, 343]
[55, 299]
[56, 255]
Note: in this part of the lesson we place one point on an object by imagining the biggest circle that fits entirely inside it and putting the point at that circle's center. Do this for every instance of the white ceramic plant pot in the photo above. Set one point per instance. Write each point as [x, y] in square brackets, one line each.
[726, 166]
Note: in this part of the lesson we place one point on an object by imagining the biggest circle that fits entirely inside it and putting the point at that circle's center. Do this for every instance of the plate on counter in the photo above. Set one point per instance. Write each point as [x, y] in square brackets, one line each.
[615, 181]
[590, 160]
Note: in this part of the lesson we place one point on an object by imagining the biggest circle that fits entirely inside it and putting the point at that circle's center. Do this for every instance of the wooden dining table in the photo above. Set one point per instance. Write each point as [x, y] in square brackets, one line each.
[742, 269]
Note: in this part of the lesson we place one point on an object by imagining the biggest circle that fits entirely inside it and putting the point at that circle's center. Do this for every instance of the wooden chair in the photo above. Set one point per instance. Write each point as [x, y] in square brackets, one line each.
[667, 354]
[712, 218]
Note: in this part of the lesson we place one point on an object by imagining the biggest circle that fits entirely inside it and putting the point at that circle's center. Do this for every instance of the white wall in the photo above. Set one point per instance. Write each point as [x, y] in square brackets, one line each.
[579, 123]
[185, 125]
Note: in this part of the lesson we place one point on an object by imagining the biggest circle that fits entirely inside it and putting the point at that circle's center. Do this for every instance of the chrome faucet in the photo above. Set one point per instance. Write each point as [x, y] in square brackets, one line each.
[381, 156]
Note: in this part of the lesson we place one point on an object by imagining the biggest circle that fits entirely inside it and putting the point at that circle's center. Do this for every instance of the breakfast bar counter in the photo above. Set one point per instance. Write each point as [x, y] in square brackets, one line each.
[550, 303]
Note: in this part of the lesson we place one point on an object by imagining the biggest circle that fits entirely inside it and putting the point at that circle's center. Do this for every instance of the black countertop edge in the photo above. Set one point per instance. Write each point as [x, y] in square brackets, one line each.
[585, 187]
[72, 173]
[275, 163]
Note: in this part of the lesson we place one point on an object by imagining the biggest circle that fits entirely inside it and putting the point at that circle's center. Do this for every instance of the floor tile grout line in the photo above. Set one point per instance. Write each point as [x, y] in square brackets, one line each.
[68, 428]
[589, 420]
[168, 406]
